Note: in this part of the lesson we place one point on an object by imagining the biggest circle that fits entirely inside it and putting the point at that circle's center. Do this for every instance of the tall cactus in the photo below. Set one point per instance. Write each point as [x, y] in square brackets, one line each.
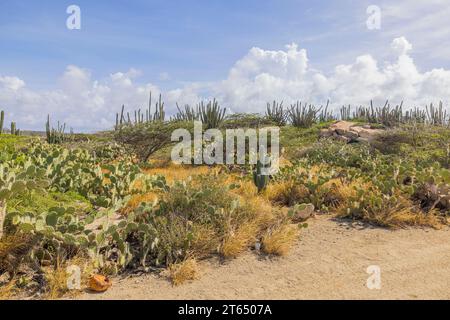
[159, 112]
[2, 120]
[13, 128]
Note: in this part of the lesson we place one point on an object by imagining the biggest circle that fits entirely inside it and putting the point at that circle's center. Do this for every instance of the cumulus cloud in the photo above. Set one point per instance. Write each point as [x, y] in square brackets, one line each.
[258, 77]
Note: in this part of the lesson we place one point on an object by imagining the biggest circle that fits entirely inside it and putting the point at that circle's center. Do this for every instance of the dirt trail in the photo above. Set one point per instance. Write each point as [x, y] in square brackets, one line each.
[329, 262]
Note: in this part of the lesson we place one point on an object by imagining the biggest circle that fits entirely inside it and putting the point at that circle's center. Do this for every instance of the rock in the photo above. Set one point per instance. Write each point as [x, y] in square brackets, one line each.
[348, 132]
[351, 135]
[341, 126]
[342, 138]
[301, 212]
[368, 134]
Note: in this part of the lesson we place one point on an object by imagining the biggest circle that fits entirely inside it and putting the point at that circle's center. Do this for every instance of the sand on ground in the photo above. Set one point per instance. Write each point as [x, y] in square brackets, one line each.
[329, 261]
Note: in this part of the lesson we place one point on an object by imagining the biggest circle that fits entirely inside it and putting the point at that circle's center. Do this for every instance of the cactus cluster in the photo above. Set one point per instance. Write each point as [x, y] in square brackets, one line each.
[13, 128]
[188, 114]
[55, 136]
[393, 116]
[277, 113]
[140, 117]
[303, 115]
[211, 114]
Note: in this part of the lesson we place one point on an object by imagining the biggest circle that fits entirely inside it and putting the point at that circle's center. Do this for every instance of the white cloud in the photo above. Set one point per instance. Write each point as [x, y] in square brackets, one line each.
[423, 22]
[260, 76]
[401, 46]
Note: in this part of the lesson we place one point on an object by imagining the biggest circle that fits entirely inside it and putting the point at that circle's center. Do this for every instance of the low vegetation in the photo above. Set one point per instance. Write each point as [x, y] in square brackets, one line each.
[113, 202]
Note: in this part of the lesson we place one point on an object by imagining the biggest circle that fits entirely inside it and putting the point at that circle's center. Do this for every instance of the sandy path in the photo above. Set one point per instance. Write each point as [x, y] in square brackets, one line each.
[329, 262]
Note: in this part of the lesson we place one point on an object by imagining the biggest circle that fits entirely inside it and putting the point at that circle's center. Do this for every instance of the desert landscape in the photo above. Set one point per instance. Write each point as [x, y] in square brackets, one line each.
[368, 187]
[225, 151]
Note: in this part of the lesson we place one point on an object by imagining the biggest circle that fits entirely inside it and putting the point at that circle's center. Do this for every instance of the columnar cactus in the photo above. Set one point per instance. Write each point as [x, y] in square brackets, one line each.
[13, 128]
[2, 120]
[159, 112]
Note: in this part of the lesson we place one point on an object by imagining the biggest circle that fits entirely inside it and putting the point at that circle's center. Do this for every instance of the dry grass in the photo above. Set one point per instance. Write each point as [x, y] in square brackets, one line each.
[56, 282]
[173, 172]
[285, 193]
[238, 241]
[12, 248]
[279, 240]
[8, 291]
[57, 278]
[136, 200]
[184, 271]
[401, 214]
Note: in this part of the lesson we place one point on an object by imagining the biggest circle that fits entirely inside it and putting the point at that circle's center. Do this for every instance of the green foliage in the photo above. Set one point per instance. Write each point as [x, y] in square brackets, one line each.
[246, 120]
[388, 175]
[146, 138]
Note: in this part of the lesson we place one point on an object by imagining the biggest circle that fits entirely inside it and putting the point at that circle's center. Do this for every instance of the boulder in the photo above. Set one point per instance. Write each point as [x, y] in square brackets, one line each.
[341, 126]
[365, 133]
[347, 132]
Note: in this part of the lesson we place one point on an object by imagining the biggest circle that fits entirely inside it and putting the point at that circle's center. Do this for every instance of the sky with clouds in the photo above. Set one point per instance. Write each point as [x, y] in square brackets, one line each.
[244, 53]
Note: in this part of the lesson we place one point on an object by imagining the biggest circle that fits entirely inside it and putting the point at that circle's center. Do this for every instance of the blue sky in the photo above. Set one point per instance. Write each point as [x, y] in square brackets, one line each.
[189, 40]
[177, 43]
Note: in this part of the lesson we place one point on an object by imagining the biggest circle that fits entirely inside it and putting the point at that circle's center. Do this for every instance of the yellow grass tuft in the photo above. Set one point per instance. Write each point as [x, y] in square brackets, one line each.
[401, 214]
[279, 241]
[184, 271]
[174, 172]
[238, 241]
[285, 193]
[56, 282]
[136, 200]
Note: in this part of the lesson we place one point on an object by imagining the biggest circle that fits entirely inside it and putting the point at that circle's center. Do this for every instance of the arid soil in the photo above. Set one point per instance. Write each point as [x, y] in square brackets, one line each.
[328, 262]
